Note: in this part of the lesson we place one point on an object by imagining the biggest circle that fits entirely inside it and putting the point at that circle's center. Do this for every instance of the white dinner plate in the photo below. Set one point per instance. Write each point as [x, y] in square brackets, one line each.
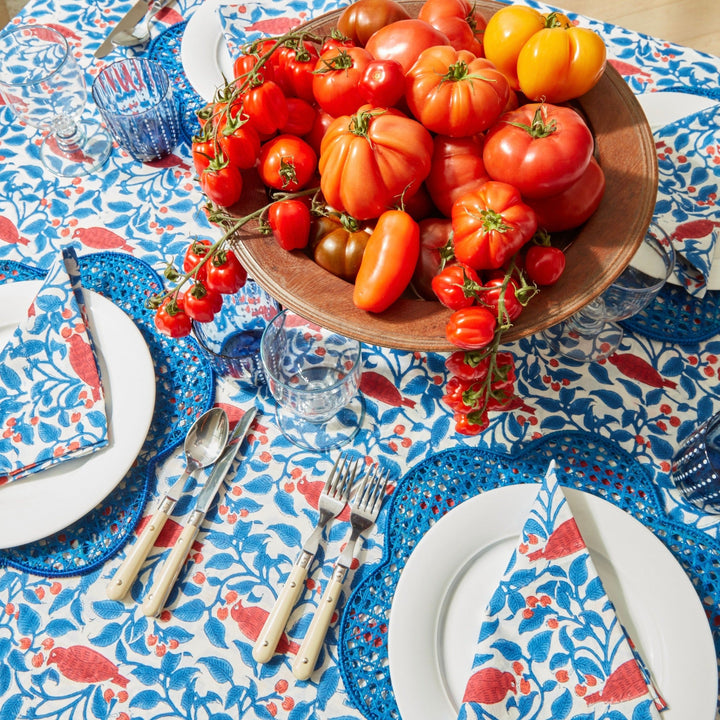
[447, 582]
[203, 51]
[45, 502]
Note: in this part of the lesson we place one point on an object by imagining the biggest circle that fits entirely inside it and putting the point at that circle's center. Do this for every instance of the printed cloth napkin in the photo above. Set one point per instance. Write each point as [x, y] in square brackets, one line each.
[244, 22]
[689, 181]
[550, 644]
[52, 406]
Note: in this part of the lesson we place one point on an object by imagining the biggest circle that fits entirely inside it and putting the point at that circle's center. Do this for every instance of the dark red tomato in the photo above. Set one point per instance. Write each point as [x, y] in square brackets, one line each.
[544, 264]
[295, 65]
[436, 251]
[363, 17]
[301, 117]
[456, 286]
[224, 273]
[469, 365]
[321, 123]
[457, 167]
[171, 318]
[383, 83]
[403, 41]
[202, 304]
[239, 142]
[471, 328]
[289, 221]
[336, 79]
[540, 149]
[493, 292]
[287, 163]
[223, 184]
[266, 107]
[572, 207]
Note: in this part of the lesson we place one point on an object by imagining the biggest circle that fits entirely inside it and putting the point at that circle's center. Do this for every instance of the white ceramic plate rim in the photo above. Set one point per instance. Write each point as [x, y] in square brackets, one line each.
[203, 50]
[48, 501]
[650, 590]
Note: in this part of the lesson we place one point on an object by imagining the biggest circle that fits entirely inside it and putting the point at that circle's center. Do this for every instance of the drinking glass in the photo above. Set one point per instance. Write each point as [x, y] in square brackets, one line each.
[696, 466]
[42, 83]
[135, 98]
[314, 376]
[231, 340]
[592, 333]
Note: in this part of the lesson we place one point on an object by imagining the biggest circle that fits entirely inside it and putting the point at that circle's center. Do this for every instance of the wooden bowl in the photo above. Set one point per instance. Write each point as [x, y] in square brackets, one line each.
[599, 252]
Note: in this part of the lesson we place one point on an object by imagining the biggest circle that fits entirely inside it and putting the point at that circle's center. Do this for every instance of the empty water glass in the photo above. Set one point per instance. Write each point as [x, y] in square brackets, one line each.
[136, 100]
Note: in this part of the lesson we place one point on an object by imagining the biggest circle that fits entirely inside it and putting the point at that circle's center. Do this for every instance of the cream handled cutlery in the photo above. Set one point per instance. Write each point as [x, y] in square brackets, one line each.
[131, 18]
[155, 600]
[203, 445]
[332, 500]
[364, 510]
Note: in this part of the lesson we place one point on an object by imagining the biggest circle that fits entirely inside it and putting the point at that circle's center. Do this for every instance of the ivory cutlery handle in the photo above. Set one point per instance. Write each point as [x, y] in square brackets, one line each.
[155, 600]
[315, 637]
[274, 626]
[127, 572]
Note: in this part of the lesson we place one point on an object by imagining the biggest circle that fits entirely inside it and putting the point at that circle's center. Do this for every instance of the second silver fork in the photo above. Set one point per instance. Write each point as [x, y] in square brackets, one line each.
[332, 500]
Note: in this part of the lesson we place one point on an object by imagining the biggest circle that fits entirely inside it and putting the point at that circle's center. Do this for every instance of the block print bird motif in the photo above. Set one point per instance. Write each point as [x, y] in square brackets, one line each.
[85, 665]
[565, 540]
[489, 686]
[625, 683]
[82, 360]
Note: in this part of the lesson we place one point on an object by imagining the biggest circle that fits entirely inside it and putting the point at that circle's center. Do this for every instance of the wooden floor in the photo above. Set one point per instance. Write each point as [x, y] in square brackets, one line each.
[693, 23]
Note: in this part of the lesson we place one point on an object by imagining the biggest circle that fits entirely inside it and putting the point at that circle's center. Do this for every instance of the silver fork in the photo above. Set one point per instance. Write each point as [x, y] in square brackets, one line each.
[332, 500]
[364, 510]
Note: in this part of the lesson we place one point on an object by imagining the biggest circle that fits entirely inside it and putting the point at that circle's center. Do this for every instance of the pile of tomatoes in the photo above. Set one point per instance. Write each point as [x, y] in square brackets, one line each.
[425, 154]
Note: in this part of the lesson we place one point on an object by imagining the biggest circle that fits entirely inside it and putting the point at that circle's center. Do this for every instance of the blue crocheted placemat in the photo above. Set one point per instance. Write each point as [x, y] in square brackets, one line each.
[184, 389]
[439, 483]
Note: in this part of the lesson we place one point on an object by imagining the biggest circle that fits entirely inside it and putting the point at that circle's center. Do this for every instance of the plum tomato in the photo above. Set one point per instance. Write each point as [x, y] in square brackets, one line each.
[289, 221]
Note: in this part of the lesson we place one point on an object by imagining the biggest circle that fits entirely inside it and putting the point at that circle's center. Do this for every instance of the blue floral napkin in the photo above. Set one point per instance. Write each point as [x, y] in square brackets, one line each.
[550, 644]
[52, 406]
[689, 181]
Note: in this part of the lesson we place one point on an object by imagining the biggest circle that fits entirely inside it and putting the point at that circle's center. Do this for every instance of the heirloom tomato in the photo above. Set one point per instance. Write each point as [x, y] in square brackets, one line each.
[452, 92]
[339, 248]
[388, 261]
[171, 318]
[457, 167]
[286, 162]
[490, 224]
[459, 20]
[404, 40]
[370, 160]
[469, 365]
[362, 18]
[544, 264]
[436, 252]
[456, 286]
[266, 106]
[540, 149]
[471, 328]
[336, 78]
[289, 221]
[573, 206]
[224, 273]
[383, 83]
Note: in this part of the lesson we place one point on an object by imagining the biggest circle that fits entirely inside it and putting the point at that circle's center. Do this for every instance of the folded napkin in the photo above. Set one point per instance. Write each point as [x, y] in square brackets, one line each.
[550, 644]
[52, 406]
[689, 188]
[244, 22]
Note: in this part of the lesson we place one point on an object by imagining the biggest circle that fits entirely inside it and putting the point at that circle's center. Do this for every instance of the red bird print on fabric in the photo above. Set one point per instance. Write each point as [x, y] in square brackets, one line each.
[694, 229]
[489, 686]
[168, 535]
[10, 234]
[626, 682]
[564, 540]
[377, 386]
[275, 26]
[83, 363]
[250, 620]
[638, 369]
[312, 489]
[100, 238]
[627, 69]
[85, 665]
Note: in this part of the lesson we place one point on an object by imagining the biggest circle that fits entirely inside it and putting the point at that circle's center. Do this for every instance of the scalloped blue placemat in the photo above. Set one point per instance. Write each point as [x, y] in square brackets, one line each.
[184, 390]
[439, 483]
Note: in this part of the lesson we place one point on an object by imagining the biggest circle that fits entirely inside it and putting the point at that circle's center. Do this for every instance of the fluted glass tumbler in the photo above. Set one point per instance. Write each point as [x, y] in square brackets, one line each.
[136, 101]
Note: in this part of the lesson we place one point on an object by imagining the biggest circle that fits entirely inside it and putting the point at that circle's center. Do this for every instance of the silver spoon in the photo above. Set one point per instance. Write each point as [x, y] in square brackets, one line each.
[205, 441]
[140, 34]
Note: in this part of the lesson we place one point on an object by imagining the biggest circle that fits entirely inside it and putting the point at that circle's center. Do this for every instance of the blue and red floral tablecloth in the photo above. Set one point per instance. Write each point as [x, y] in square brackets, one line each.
[66, 651]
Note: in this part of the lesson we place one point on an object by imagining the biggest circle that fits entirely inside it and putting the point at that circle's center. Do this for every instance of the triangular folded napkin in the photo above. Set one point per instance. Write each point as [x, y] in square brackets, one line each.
[551, 645]
[52, 406]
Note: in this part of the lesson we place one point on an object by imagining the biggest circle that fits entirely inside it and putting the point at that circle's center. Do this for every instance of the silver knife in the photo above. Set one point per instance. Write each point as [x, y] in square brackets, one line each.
[131, 18]
[155, 601]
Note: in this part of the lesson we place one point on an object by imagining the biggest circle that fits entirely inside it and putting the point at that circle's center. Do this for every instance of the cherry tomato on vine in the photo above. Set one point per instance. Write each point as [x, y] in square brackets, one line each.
[295, 65]
[456, 286]
[196, 252]
[266, 106]
[301, 117]
[335, 41]
[287, 163]
[544, 264]
[382, 83]
[222, 184]
[471, 328]
[203, 153]
[491, 294]
[224, 273]
[289, 221]
[201, 304]
[239, 142]
[469, 365]
[244, 69]
[171, 318]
